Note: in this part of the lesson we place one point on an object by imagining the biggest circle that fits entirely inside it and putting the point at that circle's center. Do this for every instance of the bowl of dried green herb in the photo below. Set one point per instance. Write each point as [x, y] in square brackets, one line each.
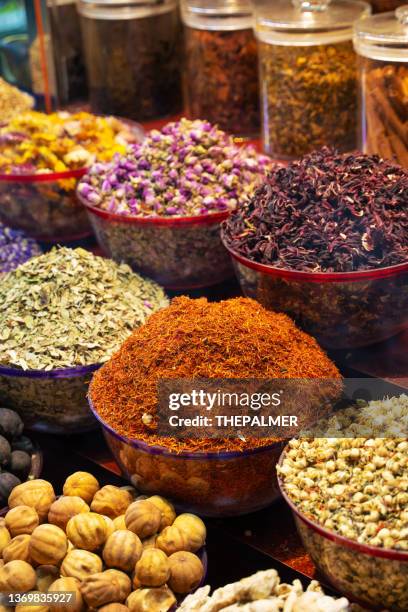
[325, 240]
[352, 520]
[62, 315]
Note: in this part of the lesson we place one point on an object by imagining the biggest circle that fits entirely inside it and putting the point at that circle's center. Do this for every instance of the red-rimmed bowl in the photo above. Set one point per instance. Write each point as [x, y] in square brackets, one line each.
[177, 252]
[342, 310]
[45, 206]
[372, 576]
[49, 401]
[209, 484]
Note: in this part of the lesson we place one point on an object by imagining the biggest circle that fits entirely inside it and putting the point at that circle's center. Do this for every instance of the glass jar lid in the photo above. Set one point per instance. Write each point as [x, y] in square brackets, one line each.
[124, 9]
[217, 14]
[383, 36]
[308, 22]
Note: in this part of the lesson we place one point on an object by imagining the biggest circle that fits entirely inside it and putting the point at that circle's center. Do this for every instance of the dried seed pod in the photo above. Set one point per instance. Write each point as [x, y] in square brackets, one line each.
[17, 577]
[46, 575]
[80, 564]
[186, 572]
[122, 550]
[151, 600]
[152, 569]
[64, 508]
[168, 513]
[81, 484]
[70, 585]
[105, 587]
[87, 530]
[194, 529]
[38, 494]
[119, 522]
[18, 549]
[171, 540]
[48, 544]
[21, 519]
[143, 518]
[111, 501]
[5, 537]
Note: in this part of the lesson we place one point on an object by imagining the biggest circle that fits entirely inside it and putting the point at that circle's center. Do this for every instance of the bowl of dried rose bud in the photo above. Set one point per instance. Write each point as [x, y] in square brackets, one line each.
[159, 206]
[41, 159]
[325, 240]
[349, 499]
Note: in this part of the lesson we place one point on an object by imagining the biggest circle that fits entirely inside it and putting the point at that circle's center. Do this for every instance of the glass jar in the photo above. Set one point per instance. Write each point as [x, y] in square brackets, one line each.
[382, 45]
[308, 74]
[221, 73]
[132, 53]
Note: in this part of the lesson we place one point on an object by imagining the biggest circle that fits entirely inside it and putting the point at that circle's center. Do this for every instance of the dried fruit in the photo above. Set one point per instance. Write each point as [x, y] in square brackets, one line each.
[87, 530]
[152, 569]
[172, 539]
[21, 519]
[111, 501]
[48, 544]
[65, 508]
[186, 572]
[151, 600]
[17, 576]
[143, 518]
[80, 564]
[194, 530]
[38, 494]
[114, 607]
[119, 522]
[168, 513]
[5, 537]
[105, 587]
[18, 549]
[81, 484]
[122, 550]
[63, 585]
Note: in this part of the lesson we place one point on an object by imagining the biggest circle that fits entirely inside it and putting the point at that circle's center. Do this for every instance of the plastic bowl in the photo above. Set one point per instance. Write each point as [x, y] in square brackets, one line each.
[377, 577]
[209, 484]
[342, 310]
[178, 253]
[45, 206]
[52, 402]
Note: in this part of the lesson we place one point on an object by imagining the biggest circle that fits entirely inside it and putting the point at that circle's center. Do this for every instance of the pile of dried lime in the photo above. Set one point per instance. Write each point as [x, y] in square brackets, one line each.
[70, 308]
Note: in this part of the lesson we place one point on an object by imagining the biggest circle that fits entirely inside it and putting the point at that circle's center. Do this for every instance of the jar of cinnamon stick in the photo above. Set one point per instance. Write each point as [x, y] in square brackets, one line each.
[308, 74]
[382, 45]
[221, 65]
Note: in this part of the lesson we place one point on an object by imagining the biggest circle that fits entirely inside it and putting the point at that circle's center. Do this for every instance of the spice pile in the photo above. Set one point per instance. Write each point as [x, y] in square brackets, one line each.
[15, 248]
[188, 168]
[35, 143]
[13, 102]
[70, 308]
[264, 592]
[327, 212]
[100, 543]
[310, 97]
[386, 109]
[222, 78]
[16, 454]
[241, 340]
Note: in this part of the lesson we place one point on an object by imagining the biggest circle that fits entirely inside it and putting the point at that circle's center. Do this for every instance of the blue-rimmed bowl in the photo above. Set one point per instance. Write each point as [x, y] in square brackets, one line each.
[49, 401]
[210, 484]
